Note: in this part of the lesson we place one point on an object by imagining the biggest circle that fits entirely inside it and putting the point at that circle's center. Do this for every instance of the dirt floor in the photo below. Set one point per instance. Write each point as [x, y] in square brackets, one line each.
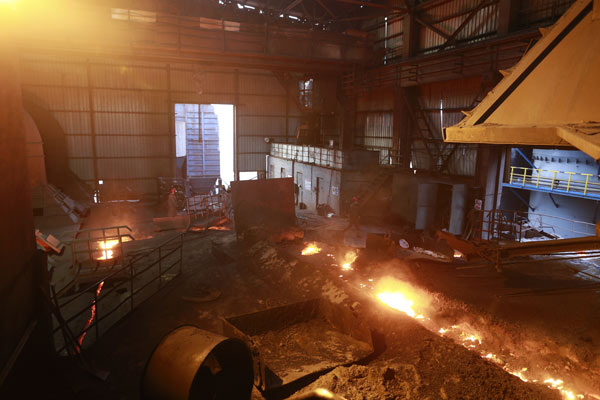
[470, 343]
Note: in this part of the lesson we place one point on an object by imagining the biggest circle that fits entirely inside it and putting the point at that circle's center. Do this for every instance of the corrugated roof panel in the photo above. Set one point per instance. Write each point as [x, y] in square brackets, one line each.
[125, 168]
[68, 99]
[131, 124]
[83, 168]
[217, 82]
[260, 84]
[130, 101]
[74, 122]
[128, 77]
[261, 105]
[293, 124]
[261, 126]
[48, 58]
[53, 73]
[252, 144]
[464, 160]
[184, 80]
[535, 12]
[375, 130]
[79, 146]
[119, 186]
[252, 162]
[205, 98]
[484, 22]
[132, 146]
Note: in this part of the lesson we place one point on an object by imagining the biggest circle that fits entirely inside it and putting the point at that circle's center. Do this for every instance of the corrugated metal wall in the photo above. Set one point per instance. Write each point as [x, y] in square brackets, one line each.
[115, 117]
[448, 16]
[118, 116]
[262, 114]
[541, 12]
[374, 131]
[452, 96]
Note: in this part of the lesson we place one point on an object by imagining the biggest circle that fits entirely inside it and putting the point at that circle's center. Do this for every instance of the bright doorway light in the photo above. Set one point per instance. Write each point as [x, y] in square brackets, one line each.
[225, 117]
[248, 176]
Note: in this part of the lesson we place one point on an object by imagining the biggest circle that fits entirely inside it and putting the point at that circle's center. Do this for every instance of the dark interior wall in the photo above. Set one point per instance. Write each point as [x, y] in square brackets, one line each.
[17, 243]
[113, 119]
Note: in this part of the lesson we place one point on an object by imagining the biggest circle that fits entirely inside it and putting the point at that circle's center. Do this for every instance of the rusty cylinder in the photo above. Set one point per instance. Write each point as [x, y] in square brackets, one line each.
[190, 363]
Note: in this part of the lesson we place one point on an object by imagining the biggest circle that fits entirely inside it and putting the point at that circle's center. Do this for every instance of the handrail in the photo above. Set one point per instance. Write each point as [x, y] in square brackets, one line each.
[534, 177]
[163, 251]
[492, 224]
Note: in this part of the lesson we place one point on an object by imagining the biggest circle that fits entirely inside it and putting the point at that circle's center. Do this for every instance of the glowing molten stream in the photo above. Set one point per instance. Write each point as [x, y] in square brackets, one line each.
[106, 246]
[398, 301]
[401, 296]
[311, 249]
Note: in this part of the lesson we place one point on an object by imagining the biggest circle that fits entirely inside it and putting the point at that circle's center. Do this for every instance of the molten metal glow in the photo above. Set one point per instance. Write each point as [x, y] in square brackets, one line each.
[400, 296]
[349, 259]
[92, 316]
[311, 249]
[403, 297]
[398, 301]
[106, 246]
[219, 228]
[458, 254]
[324, 393]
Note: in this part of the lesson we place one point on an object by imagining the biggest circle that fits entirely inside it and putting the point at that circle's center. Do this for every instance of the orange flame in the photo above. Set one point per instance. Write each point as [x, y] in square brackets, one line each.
[106, 246]
[311, 249]
[400, 296]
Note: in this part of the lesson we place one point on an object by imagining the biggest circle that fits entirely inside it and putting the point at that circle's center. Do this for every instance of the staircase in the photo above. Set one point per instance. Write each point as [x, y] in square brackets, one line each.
[368, 191]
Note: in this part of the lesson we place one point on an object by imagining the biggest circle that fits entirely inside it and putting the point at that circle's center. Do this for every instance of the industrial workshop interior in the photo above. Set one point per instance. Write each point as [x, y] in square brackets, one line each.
[300, 199]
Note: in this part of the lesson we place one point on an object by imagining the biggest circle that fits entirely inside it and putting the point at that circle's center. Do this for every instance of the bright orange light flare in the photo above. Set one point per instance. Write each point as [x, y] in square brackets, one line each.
[349, 259]
[400, 296]
[398, 301]
[106, 246]
[311, 249]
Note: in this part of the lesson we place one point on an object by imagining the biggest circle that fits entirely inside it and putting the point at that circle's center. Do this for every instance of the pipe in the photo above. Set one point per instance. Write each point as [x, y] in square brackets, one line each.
[190, 363]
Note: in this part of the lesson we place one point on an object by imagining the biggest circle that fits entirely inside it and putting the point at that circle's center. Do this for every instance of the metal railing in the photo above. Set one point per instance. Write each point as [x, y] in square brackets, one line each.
[208, 205]
[97, 251]
[129, 284]
[309, 154]
[558, 181]
[511, 224]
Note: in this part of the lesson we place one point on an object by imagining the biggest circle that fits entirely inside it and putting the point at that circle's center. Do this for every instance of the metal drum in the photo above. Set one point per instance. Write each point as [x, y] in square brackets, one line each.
[190, 363]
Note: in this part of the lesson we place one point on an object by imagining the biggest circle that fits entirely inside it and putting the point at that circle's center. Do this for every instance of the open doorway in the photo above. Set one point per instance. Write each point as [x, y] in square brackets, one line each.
[204, 141]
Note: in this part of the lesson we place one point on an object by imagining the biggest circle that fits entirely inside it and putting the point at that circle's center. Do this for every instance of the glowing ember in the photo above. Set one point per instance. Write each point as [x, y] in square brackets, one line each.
[493, 357]
[519, 374]
[106, 246]
[219, 228]
[470, 338]
[92, 316]
[458, 254]
[349, 260]
[311, 249]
